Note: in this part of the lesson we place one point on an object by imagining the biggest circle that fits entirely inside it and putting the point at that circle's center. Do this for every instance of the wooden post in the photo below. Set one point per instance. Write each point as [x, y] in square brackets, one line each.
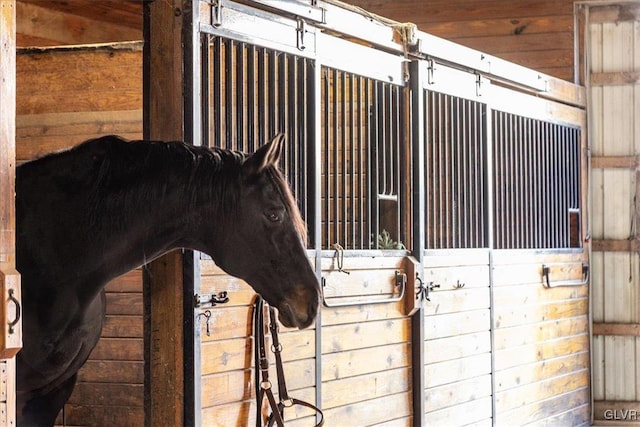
[164, 119]
[11, 332]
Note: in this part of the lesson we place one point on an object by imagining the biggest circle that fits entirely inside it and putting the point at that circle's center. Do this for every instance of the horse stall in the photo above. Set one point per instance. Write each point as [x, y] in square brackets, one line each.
[444, 191]
[445, 194]
[66, 95]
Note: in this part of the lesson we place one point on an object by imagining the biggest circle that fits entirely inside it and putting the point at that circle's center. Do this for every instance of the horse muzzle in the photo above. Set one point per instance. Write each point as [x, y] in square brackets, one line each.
[298, 312]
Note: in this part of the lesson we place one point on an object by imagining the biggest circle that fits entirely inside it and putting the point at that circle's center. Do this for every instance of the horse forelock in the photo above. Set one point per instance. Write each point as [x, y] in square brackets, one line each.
[290, 203]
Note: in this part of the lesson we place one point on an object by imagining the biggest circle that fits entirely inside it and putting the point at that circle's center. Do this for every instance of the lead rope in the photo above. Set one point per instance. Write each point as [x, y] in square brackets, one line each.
[263, 384]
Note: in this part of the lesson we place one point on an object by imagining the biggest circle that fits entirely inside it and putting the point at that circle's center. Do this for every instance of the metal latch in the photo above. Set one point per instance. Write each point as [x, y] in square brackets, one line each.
[210, 300]
[216, 13]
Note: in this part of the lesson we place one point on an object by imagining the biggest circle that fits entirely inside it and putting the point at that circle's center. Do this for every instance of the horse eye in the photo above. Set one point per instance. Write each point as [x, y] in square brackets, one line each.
[273, 216]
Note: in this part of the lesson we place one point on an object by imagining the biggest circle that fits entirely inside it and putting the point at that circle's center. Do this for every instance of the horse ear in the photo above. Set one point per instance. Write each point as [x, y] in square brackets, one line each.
[267, 155]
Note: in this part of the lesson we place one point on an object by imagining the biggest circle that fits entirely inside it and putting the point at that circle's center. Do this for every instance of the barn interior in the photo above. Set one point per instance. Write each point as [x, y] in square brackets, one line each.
[502, 340]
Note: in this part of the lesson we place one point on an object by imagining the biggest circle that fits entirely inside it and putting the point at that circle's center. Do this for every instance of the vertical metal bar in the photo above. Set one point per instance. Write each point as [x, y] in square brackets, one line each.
[326, 143]
[261, 107]
[206, 91]
[336, 160]
[229, 99]
[343, 164]
[272, 95]
[374, 163]
[192, 120]
[251, 99]
[368, 163]
[417, 71]
[353, 107]
[311, 75]
[216, 104]
[241, 101]
[361, 112]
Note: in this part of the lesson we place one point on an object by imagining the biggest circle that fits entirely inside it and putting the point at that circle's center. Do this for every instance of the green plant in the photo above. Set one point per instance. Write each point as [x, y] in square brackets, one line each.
[386, 242]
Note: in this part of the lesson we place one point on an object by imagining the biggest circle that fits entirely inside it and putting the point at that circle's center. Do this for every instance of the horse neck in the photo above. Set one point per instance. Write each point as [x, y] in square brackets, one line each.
[162, 211]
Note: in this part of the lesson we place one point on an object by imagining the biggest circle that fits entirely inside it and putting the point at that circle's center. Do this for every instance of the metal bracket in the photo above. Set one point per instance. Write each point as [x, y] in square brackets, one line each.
[431, 69]
[300, 31]
[478, 85]
[210, 300]
[216, 13]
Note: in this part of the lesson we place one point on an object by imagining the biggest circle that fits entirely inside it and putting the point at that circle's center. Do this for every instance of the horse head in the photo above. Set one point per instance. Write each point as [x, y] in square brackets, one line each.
[264, 239]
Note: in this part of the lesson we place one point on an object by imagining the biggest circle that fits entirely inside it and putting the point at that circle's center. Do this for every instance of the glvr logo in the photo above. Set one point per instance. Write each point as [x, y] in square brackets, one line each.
[621, 414]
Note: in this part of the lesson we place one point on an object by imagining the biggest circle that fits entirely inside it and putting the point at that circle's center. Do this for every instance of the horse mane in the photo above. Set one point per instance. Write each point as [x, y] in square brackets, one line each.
[107, 165]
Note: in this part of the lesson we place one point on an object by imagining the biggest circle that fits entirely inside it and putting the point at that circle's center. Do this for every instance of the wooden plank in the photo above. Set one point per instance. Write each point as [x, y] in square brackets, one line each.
[539, 331]
[361, 388]
[363, 361]
[615, 78]
[66, 28]
[456, 324]
[124, 303]
[464, 299]
[529, 393]
[449, 371]
[453, 278]
[121, 416]
[543, 409]
[232, 354]
[475, 412]
[526, 294]
[112, 371]
[123, 326]
[455, 347]
[365, 334]
[507, 379]
[371, 412]
[238, 385]
[360, 313]
[536, 352]
[128, 282]
[109, 394]
[457, 393]
[615, 162]
[508, 316]
[118, 349]
[624, 329]
[615, 245]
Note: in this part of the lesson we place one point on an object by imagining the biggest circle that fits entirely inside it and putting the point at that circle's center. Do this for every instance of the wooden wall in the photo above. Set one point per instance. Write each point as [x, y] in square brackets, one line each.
[536, 34]
[65, 96]
[614, 76]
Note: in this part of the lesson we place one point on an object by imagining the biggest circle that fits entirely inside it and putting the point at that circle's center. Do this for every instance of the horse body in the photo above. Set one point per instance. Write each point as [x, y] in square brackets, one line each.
[107, 206]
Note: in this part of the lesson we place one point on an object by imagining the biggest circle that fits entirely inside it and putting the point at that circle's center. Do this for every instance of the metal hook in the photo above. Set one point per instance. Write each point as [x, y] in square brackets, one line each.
[340, 258]
[207, 315]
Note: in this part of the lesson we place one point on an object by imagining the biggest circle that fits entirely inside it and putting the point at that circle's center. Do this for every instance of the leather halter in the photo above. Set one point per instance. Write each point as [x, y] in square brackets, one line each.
[262, 381]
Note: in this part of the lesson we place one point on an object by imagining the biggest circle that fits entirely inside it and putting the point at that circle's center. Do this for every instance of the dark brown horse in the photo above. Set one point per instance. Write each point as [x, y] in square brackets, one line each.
[89, 214]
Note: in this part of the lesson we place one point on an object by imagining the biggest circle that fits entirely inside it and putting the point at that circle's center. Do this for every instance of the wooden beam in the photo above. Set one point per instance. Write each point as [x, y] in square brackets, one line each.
[41, 23]
[164, 120]
[10, 338]
[621, 329]
[615, 78]
[615, 245]
[615, 162]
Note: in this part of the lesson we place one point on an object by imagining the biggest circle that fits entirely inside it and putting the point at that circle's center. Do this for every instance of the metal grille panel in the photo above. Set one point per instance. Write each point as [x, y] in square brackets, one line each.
[362, 132]
[537, 183]
[455, 172]
[252, 93]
